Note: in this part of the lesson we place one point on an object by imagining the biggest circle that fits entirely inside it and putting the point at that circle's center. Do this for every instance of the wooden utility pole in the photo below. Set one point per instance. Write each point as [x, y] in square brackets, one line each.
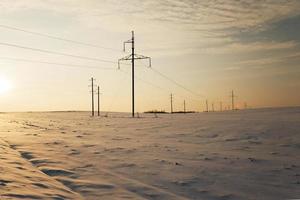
[206, 105]
[171, 103]
[98, 94]
[221, 108]
[132, 57]
[213, 107]
[132, 70]
[184, 107]
[92, 80]
[232, 100]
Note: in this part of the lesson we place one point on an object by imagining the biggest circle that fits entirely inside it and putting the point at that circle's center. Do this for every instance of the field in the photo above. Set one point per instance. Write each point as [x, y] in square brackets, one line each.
[250, 154]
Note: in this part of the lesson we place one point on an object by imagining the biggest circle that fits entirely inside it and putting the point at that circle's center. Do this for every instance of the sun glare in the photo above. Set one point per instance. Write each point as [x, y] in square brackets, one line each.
[4, 85]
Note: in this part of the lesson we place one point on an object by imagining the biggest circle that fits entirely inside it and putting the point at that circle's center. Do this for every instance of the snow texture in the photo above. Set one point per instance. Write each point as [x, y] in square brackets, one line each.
[250, 154]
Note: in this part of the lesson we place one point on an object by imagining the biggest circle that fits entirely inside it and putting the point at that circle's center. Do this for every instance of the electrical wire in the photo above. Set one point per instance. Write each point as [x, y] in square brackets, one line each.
[147, 82]
[158, 87]
[93, 59]
[58, 64]
[77, 56]
[56, 53]
[175, 82]
[96, 59]
[57, 38]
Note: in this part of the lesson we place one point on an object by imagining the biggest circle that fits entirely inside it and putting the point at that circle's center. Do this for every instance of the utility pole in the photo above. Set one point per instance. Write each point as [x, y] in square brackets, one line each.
[221, 109]
[98, 94]
[92, 80]
[232, 100]
[184, 107]
[132, 70]
[132, 57]
[171, 103]
[213, 107]
[206, 105]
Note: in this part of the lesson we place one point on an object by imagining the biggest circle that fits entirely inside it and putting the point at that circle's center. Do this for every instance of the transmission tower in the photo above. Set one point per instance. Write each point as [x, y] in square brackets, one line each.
[133, 56]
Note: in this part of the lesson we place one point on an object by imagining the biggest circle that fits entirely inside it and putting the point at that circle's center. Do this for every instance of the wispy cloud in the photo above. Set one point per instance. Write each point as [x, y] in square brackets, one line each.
[249, 47]
[221, 17]
[201, 26]
[266, 61]
[213, 16]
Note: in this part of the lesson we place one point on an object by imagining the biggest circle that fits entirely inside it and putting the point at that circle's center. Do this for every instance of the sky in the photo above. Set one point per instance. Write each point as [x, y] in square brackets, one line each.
[200, 50]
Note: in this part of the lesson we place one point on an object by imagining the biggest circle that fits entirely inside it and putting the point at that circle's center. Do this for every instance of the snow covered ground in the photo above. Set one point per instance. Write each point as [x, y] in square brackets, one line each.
[252, 154]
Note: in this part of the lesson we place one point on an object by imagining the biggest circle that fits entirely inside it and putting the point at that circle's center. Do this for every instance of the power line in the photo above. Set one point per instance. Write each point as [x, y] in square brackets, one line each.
[147, 82]
[85, 58]
[132, 57]
[176, 83]
[56, 53]
[156, 86]
[82, 66]
[77, 56]
[94, 59]
[58, 64]
[57, 38]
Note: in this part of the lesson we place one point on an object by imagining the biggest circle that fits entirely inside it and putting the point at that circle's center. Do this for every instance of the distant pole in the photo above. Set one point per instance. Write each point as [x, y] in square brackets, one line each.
[92, 79]
[206, 105]
[98, 93]
[171, 103]
[232, 100]
[221, 109]
[213, 107]
[184, 106]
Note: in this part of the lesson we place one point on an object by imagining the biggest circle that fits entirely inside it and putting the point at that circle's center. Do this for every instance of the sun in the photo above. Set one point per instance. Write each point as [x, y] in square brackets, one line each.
[5, 85]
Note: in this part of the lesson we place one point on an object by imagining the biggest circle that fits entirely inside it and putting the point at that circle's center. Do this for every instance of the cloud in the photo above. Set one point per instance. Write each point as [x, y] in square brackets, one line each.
[215, 16]
[267, 61]
[226, 47]
[239, 47]
[200, 26]
[220, 17]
